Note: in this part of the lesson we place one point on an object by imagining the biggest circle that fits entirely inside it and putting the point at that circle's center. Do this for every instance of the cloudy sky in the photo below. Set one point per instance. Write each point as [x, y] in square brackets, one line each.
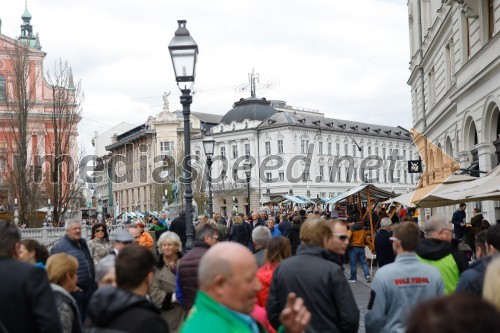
[348, 59]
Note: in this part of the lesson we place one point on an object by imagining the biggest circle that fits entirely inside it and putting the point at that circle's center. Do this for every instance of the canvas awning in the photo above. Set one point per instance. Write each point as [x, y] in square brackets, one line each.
[375, 193]
[297, 199]
[404, 199]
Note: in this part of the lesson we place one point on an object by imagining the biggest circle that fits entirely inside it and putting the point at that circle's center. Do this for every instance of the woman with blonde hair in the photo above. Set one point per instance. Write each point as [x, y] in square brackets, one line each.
[239, 232]
[491, 288]
[61, 268]
[162, 291]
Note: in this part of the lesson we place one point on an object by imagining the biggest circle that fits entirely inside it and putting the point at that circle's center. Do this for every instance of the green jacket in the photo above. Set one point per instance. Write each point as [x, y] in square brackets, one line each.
[209, 316]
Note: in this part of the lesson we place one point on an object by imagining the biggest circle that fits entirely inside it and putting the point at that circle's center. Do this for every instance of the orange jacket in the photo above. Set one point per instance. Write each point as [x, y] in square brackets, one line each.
[146, 240]
[357, 235]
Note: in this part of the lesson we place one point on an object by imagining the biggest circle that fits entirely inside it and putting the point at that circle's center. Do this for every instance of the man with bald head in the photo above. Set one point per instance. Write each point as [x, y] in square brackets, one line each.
[228, 282]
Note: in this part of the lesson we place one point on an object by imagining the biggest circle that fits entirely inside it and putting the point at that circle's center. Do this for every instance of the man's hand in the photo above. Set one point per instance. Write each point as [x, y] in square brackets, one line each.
[295, 317]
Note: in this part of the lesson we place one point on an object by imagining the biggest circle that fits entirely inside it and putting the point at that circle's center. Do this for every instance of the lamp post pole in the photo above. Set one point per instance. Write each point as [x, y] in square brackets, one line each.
[248, 173]
[49, 213]
[16, 213]
[184, 52]
[210, 197]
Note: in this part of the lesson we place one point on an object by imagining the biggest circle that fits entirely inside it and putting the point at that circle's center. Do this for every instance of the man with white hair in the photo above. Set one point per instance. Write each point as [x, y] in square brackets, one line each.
[260, 238]
[73, 244]
[228, 293]
[383, 245]
[437, 249]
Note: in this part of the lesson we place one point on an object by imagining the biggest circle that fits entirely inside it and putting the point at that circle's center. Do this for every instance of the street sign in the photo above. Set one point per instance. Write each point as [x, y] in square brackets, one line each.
[415, 166]
[89, 203]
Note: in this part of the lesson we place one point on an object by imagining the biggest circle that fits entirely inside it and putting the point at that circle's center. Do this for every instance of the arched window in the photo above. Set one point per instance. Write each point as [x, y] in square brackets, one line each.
[2, 89]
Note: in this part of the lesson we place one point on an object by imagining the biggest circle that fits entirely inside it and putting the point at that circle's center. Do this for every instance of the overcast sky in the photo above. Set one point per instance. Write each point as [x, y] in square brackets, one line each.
[348, 59]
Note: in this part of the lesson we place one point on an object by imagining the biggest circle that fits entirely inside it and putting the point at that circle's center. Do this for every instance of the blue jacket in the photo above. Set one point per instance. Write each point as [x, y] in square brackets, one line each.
[472, 279]
[79, 250]
[396, 289]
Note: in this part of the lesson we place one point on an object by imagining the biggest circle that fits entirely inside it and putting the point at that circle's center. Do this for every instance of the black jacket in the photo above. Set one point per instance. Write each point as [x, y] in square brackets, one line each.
[178, 226]
[284, 226]
[383, 247]
[319, 280]
[122, 311]
[239, 233]
[187, 273]
[294, 237]
[26, 300]
[472, 280]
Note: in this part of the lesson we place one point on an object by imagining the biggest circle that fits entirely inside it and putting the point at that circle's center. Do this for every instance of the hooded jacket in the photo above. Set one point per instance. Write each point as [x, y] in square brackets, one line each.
[446, 258]
[122, 311]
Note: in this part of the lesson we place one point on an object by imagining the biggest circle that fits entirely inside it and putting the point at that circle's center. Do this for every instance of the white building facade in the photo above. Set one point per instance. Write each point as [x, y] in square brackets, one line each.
[301, 152]
[455, 82]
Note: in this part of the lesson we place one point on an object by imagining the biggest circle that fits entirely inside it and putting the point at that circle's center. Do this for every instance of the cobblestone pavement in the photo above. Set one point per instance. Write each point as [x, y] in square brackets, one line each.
[361, 291]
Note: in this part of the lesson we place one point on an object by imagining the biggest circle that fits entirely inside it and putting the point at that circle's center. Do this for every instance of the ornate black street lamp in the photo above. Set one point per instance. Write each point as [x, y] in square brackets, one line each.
[248, 173]
[184, 52]
[208, 147]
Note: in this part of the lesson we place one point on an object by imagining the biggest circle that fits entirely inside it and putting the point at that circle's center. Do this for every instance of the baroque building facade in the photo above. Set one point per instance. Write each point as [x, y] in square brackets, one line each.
[301, 152]
[455, 85]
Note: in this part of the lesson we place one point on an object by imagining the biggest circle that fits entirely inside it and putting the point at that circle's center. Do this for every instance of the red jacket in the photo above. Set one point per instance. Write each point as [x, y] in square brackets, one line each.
[265, 275]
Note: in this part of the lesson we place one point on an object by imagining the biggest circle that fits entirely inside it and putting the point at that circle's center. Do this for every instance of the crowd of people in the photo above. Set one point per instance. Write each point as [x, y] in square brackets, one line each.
[256, 273]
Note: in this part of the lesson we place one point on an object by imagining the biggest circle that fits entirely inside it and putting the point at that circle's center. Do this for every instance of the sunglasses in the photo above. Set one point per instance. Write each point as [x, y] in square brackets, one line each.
[342, 237]
[99, 230]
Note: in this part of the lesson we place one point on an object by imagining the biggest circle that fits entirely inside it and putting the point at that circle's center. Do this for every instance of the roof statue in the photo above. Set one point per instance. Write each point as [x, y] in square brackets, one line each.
[165, 100]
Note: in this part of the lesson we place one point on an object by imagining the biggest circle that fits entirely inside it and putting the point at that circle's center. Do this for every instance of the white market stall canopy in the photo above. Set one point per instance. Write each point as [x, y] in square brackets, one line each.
[375, 193]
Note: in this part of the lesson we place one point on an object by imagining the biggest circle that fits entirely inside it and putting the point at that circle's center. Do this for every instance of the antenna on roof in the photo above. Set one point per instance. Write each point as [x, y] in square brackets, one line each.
[253, 78]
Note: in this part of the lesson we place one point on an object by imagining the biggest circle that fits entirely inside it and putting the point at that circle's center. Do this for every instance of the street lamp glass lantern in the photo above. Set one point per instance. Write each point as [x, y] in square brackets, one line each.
[209, 145]
[248, 169]
[184, 53]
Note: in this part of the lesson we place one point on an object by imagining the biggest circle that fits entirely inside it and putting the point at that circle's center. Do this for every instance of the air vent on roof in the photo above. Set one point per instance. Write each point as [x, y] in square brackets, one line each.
[366, 129]
[388, 132]
[354, 127]
[271, 121]
[317, 122]
[330, 124]
[377, 130]
[407, 135]
[303, 120]
[398, 133]
[343, 126]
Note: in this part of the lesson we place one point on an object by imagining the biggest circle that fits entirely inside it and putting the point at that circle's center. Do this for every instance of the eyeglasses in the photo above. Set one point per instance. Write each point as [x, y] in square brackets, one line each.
[342, 237]
[99, 230]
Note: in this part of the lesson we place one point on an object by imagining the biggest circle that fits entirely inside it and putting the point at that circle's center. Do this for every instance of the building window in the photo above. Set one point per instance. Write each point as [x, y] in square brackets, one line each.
[223, 152]
[345, 149]
[282, 176]
[330, 173]
[404, 154]
[321, 173]
[268, 147]
[320, 148]
[354, 148]
[166, 148]
[432, 86]
[337, 147]
[376, 151]
[235, 151]
[491, 19]
[362, 150]
[369, 151]
[247, 149]
[2, 89]
[305, 176]
[280, 146]
[303, 146]
[329, 148]
[269, 177]
[197, 154]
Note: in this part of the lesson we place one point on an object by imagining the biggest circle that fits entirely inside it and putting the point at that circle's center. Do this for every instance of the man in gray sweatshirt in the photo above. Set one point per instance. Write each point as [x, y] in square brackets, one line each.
[400, 286]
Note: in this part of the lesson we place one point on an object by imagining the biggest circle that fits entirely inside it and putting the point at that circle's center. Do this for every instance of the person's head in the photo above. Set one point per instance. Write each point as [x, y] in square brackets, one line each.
[260, 237]
[122, 239]
[9, 239]
[271, 221]
[457, 313]
[493, 239]
[73, 229]
[208, 234]
[135, 232]
[237, 220]
[302, 213]
[462, 206]
[203, 218]
[61, 269]
[476, 210]
[339, 241]
[99, 230]
[135, 267]
[217, 216]
[32, 251]
[406, 237]
[491, 288]
[481, 244]
[385, 222]
[278, 249]
[315, 231]
[484, 225]
[163, 216]
[169, 244]
[182, 214]
[263, 215]
[141, 227]
[439, 227]
[255, 216]
[105, 274]
[228, 274]
[296, 220]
